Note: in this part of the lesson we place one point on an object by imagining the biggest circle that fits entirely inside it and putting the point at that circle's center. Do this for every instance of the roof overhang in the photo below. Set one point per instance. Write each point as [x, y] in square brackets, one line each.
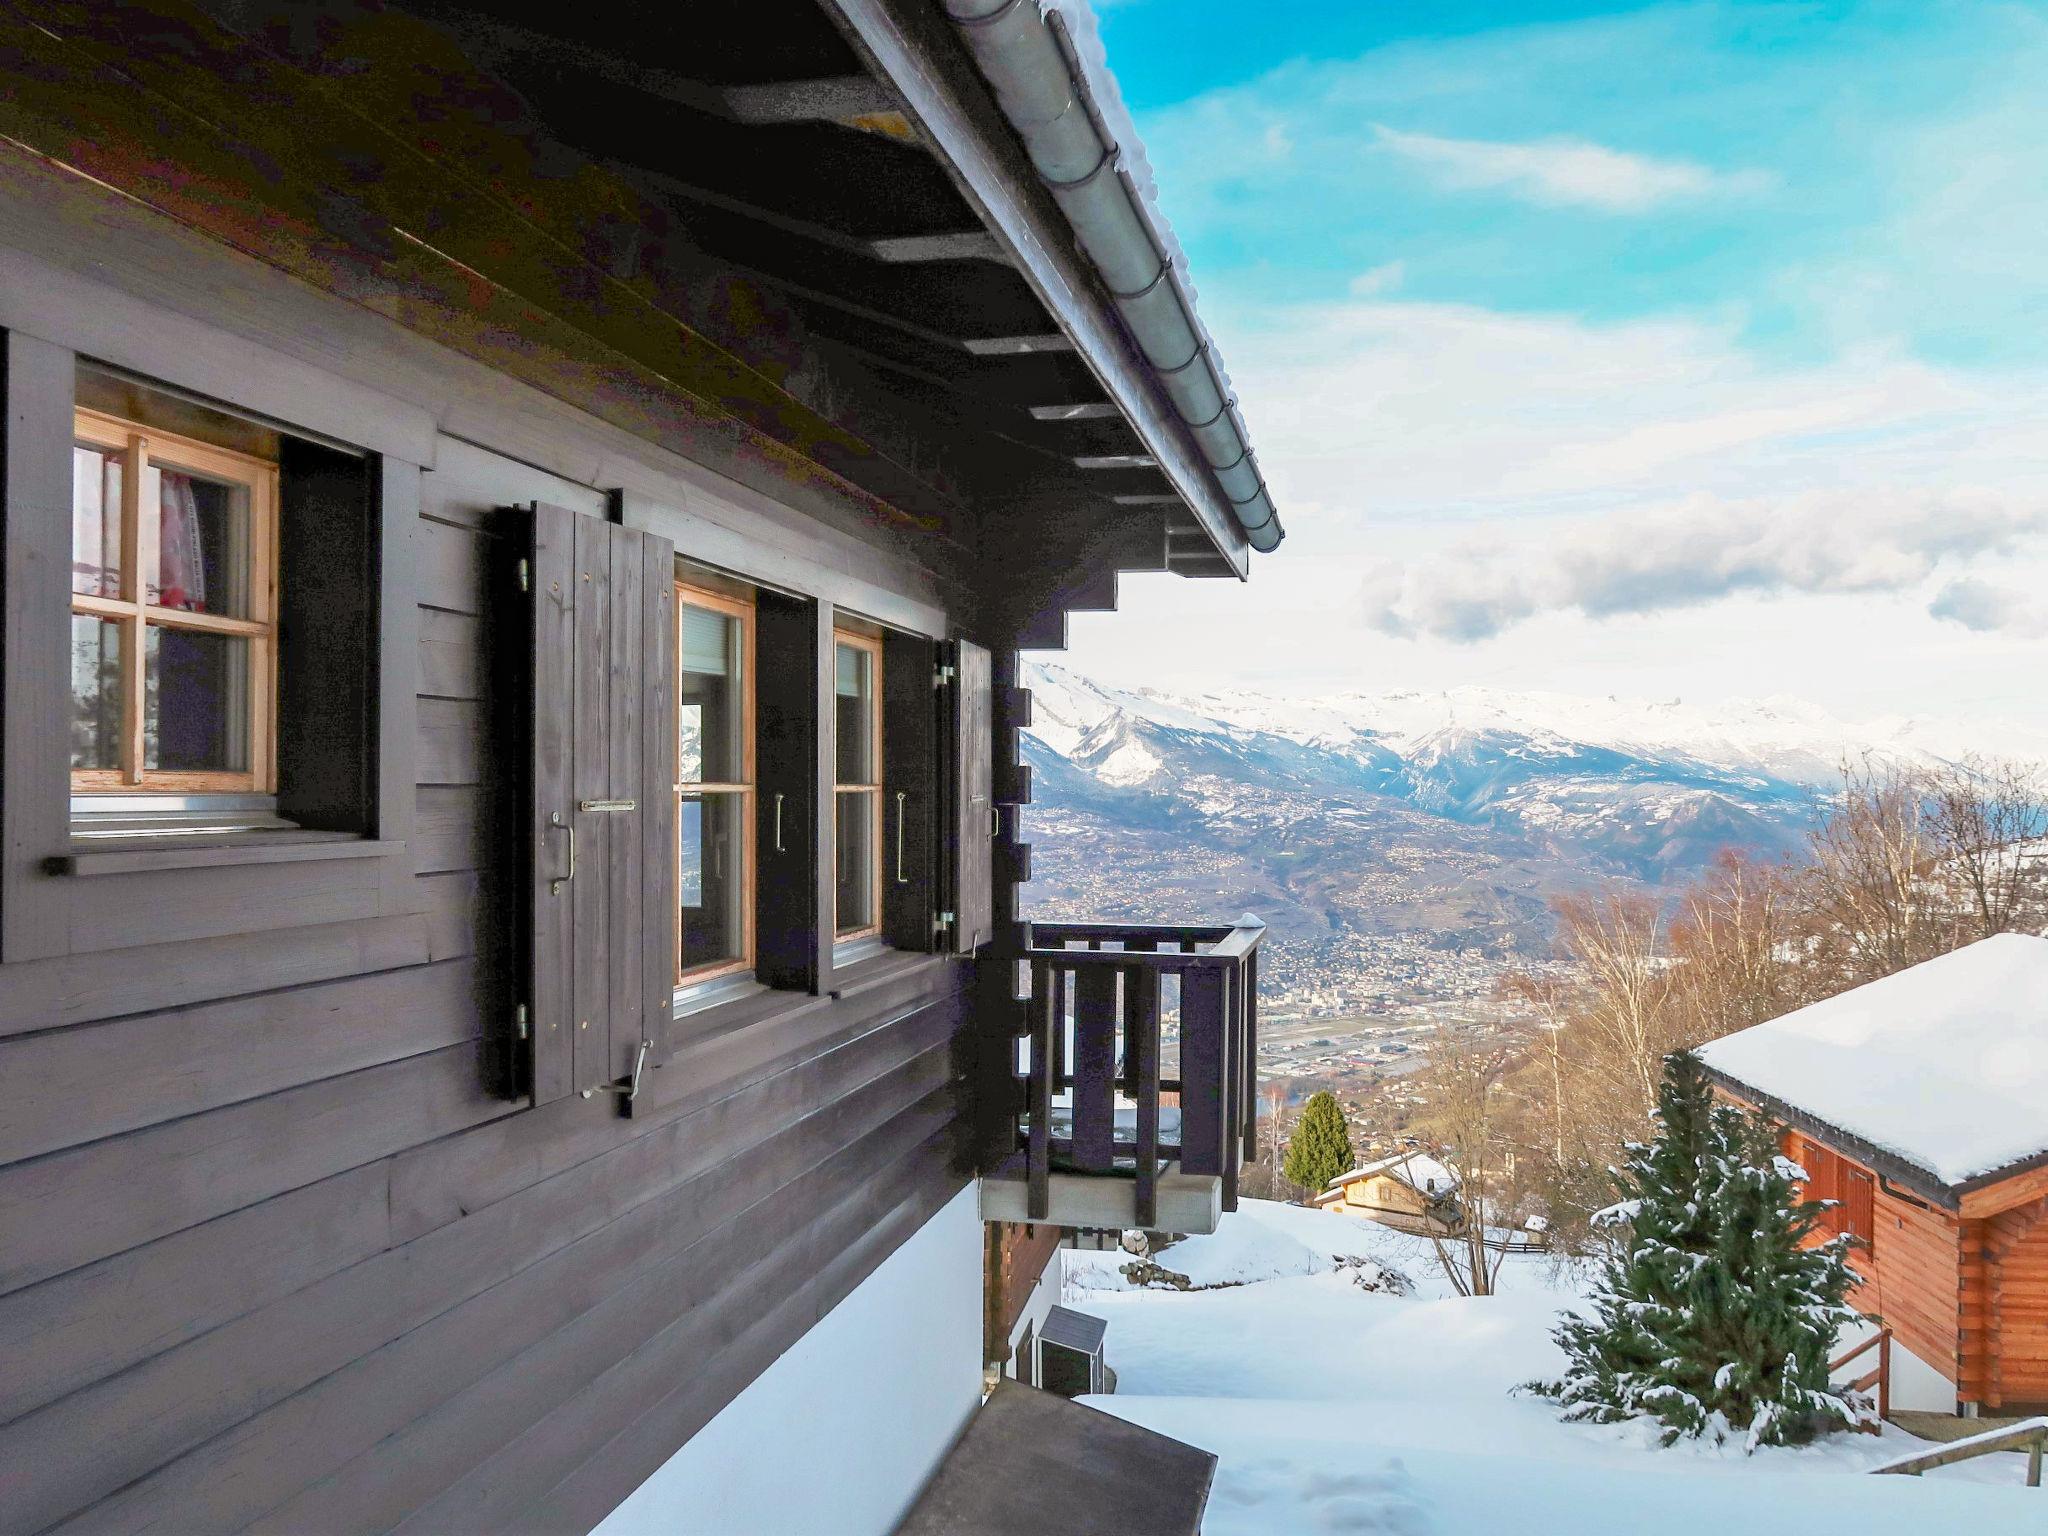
[1965, 1198]
[1177, 407]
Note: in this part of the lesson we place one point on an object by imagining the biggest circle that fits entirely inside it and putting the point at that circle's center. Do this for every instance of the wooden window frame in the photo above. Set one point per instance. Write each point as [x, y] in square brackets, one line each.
[137, 445]
[703, 598]
[872, 644]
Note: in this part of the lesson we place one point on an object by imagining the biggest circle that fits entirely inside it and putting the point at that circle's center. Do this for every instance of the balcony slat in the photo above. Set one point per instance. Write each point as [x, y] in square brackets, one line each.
[1251, 1057]
[1203, 1064]
[1143, 1047]
[1094, 1069]
[1039, 1169]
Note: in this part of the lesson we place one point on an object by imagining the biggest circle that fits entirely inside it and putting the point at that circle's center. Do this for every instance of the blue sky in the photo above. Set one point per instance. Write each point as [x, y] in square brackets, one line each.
[1641, 350]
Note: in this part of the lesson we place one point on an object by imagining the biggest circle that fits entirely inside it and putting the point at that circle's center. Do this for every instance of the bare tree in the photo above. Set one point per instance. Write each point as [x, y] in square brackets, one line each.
[1870, 875]
[1984, 815]
[1736, 947]
[1616, 939]
[1461, 1080]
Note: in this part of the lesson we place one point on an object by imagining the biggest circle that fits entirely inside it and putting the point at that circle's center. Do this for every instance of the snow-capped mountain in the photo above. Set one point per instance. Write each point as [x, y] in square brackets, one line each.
[1456, 813]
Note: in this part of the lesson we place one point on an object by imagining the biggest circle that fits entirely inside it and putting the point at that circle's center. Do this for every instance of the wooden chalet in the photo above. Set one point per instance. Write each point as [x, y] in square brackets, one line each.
[518, 530]
[1919, 1105]
[1407, 1190]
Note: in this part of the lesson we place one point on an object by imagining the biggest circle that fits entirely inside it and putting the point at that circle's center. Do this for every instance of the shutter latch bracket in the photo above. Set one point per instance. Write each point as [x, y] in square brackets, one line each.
[630, 1088]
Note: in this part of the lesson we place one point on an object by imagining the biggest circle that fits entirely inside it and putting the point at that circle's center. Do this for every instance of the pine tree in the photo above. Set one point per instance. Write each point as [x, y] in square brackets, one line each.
[1713, 1317]
[1321, 1146]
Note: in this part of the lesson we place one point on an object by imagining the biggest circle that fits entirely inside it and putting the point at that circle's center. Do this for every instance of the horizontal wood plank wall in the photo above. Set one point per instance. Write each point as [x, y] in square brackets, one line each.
[276, 1253]
[1910, 1277]
[2017, 1333]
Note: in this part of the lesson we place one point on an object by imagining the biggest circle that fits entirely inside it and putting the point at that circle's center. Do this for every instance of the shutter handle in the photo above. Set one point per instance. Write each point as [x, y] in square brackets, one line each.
[778, 824]
[901, 878]
[555, 885]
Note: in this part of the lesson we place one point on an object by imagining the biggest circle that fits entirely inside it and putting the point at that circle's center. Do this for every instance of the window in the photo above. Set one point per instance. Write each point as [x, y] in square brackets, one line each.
[857, 833]
[173, 613]
[715, 784]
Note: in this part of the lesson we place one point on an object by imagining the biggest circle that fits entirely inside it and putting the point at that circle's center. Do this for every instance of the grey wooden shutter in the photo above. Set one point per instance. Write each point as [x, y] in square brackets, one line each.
[972, 833]
[600, 941]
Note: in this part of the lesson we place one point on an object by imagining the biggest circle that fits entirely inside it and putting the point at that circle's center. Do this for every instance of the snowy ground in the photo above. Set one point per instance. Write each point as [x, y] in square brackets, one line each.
[1338, 1409]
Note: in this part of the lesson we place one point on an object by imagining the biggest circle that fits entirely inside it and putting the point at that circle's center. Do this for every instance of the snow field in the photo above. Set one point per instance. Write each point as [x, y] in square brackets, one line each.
[1338, 1409]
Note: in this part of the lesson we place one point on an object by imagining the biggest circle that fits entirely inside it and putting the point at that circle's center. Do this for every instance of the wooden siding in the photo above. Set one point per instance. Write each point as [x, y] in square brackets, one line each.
[278, 1253]
[1016, 1256]
[1966, 1293]
[2015, 1369]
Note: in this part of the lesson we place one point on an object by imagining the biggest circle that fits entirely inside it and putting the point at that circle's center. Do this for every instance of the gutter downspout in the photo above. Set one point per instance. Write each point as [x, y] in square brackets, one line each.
[1028, 58]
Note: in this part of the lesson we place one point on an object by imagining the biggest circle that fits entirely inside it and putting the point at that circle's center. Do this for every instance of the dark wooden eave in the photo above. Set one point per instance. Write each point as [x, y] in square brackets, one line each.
[698, 226]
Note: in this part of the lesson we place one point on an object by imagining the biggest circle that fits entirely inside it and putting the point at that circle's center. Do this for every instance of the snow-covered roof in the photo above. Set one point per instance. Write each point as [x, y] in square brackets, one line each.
[1421, 1172]
[1944, 1065]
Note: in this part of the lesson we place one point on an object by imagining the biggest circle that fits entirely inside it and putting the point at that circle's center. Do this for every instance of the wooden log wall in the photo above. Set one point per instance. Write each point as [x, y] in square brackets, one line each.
[277, 1252]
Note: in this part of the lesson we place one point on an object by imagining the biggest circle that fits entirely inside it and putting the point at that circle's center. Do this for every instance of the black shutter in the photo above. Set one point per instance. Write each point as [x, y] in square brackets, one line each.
[792, 644]
[599, 810]
[971, 834]
[910, 777]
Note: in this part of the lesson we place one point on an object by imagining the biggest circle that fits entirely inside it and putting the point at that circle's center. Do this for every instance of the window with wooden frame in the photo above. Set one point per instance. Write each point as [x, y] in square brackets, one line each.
[173, 613]
[714, 784]
[857, 785]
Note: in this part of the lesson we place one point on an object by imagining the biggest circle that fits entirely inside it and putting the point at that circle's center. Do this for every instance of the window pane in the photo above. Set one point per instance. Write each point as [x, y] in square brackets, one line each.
[196, 703]
[855, 873]
[712, 713]
[855, 715]
[712, 845]
[95, 693]
[202, 543]
[95, 522]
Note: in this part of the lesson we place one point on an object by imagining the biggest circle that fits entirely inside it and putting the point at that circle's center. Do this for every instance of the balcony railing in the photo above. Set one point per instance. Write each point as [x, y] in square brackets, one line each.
[1138, 1058]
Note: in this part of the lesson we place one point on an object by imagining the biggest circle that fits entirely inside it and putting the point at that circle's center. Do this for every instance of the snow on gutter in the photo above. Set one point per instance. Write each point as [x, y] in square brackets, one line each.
[1045, 62]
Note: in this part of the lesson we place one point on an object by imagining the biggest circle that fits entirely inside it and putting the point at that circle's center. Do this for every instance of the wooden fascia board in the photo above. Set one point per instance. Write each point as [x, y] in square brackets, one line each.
[908, 45]
[2005, 1188]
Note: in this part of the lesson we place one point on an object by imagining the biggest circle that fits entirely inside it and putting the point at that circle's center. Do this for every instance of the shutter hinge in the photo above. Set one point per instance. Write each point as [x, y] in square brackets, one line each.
[519, 1021]
[525, 577]
[942, 922]
[943, 676]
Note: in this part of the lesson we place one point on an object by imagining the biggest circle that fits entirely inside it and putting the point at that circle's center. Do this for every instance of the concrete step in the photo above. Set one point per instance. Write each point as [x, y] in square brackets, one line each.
[1033, 1464]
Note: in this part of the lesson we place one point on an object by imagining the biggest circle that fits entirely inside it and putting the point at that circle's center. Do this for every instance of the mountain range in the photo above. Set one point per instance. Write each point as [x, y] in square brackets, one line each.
[1453, 815]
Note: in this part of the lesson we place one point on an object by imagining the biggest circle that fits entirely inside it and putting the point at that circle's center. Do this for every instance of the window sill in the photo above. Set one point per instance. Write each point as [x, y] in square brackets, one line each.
[144, 854]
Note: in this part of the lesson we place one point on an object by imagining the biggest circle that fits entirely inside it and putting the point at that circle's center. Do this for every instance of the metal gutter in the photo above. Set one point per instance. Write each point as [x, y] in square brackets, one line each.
[1029, 61]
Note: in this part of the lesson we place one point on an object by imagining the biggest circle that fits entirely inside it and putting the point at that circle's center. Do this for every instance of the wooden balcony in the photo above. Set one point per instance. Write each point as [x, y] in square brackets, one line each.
[1133, 1076]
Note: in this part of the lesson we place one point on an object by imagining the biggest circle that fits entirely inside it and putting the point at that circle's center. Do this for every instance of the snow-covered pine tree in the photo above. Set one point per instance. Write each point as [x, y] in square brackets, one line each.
[1713, 1317]
[1321, 1145]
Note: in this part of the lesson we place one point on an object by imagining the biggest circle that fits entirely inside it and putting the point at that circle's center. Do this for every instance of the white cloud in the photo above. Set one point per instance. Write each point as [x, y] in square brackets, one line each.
[1644, 560]
[1384, 278]
[1991, 608]
[1565, 172]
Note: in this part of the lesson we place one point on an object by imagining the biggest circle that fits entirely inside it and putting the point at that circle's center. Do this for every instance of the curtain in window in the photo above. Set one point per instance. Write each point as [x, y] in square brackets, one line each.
[183, 570]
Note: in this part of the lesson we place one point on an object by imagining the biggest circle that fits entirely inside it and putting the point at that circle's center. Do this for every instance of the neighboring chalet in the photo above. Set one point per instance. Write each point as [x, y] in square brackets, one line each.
[517, 539]
[1409, 1190]
[1919, 1104]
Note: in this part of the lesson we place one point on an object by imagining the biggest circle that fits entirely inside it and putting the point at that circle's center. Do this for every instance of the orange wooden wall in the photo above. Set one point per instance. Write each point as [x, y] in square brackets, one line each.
[2015, 1356]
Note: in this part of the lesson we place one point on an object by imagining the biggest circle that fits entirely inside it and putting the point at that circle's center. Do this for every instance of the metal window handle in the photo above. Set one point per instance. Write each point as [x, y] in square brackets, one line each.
[901, 878]
[555, 885]
[778, 824]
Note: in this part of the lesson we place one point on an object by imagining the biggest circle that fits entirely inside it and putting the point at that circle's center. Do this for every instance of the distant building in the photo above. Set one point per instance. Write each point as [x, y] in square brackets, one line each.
[1919, 1103]
[1410, 1191]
